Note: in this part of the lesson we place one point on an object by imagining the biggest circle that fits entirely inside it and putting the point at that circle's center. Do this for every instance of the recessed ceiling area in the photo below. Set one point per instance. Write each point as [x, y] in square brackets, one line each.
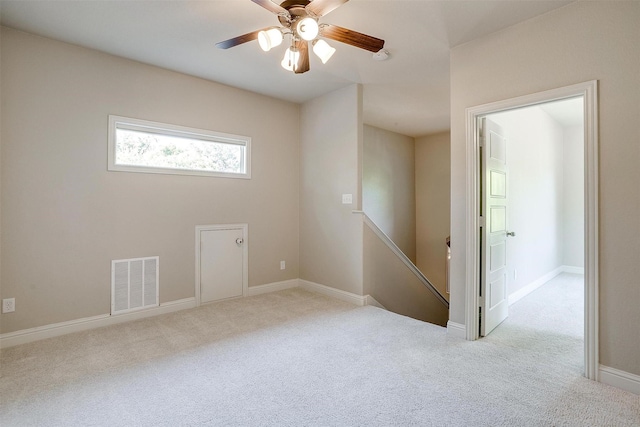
[408, 93]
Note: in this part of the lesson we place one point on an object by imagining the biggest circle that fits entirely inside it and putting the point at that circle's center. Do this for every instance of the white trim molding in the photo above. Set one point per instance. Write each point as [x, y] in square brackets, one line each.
[25, 336]
[119, 123]
[334, 293]
[372, 301]
[457, 330]
[589, 92]
[272, 287]
[526, 290]
[572, 269]
[620, 379]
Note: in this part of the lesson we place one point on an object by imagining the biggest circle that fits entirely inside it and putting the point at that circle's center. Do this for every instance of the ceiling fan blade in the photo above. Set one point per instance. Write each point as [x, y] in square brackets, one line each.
[351, 37]
[272, 7]
[303, 62]
[322, 7]
[238, 40]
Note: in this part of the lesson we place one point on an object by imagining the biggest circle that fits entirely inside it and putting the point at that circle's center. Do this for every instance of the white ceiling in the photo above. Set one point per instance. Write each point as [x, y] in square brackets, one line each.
[408, 93]
[569, 112]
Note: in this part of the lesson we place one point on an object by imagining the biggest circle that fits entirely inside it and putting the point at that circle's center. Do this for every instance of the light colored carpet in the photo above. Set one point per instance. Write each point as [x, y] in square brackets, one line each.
[295, 358]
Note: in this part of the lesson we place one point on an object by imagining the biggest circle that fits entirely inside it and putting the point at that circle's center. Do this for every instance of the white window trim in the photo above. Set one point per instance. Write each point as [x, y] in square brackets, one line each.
[174, 130]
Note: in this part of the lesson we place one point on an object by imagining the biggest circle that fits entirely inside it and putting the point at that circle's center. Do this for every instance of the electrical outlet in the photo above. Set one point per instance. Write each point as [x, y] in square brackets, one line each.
[282, 265]
[347, 199]
[8, 305]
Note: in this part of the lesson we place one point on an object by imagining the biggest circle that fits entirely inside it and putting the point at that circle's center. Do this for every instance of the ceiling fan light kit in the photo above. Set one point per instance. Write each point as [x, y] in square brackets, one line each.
[299, 18]
[322, 50]
[307, 28]
[270, 38]
[291, 59]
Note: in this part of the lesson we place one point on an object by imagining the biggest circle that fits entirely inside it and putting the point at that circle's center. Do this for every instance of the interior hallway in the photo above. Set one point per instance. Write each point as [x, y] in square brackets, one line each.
[549, 320]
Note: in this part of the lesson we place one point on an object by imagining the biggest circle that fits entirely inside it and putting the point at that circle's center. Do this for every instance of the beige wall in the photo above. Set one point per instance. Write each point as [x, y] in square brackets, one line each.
[433, 176]
[1, 133]
[388, 186]
[65, 217]
[580, 42]
[395, 286]
[330, 157]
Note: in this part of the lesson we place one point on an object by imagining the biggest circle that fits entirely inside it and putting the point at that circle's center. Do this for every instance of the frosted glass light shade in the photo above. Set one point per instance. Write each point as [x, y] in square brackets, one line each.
[322, 50]
[290, 60]
[307, 28]
[269, 39]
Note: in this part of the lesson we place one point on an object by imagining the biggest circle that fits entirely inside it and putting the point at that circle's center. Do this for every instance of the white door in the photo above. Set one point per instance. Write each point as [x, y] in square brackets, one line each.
[222, 263]
[494, 304]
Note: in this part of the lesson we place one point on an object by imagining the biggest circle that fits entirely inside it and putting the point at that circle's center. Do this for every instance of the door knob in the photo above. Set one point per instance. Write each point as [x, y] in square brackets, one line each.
[511, 233]
[239, 240]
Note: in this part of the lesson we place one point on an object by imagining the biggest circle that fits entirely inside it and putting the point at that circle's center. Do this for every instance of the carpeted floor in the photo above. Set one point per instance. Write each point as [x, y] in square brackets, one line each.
[295, 358]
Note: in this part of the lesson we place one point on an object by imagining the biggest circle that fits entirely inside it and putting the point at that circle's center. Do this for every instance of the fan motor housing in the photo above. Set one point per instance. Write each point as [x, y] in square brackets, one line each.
[297, 10]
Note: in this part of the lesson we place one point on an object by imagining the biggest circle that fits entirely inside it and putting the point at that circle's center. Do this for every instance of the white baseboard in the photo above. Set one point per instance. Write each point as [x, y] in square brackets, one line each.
[334, 293]
[620, 379]
[272, 287]
[526, 290]
[572, 269]
[456, 330]
[372, 301]
[24, 336]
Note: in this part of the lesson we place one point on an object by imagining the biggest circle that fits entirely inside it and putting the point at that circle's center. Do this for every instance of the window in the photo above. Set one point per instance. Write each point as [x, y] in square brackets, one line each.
[150, 147]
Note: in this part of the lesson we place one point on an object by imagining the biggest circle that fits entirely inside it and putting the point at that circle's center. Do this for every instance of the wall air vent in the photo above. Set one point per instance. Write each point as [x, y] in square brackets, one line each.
[134, 284]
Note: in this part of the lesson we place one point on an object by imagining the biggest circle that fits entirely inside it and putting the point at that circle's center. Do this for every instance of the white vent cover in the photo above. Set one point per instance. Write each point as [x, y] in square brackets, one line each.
[134, 284]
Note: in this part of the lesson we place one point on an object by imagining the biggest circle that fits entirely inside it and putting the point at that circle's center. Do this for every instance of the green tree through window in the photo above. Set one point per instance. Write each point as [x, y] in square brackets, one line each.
[155, 149]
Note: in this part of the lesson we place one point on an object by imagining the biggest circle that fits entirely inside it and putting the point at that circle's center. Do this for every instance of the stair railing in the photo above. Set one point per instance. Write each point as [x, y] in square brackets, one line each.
[398, 252]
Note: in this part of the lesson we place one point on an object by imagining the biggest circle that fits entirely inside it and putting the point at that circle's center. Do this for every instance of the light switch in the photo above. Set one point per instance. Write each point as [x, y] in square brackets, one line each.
[347, 199]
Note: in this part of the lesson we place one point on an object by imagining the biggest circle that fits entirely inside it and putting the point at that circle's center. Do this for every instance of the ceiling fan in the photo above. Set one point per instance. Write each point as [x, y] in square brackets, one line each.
[299, 18]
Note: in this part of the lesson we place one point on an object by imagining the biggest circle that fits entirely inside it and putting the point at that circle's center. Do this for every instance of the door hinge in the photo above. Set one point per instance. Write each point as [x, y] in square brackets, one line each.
[481, 221]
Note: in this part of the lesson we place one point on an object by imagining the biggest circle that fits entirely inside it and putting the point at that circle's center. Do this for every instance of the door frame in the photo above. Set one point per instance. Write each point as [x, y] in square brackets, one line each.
[589, 92]
[245, 254]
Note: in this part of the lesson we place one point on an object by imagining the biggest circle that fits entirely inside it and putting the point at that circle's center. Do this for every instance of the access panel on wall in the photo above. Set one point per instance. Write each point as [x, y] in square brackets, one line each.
[221, 267]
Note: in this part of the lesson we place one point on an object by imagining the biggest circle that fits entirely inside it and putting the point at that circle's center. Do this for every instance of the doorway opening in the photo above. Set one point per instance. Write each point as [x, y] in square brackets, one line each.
[587, 92]
[533, 180]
